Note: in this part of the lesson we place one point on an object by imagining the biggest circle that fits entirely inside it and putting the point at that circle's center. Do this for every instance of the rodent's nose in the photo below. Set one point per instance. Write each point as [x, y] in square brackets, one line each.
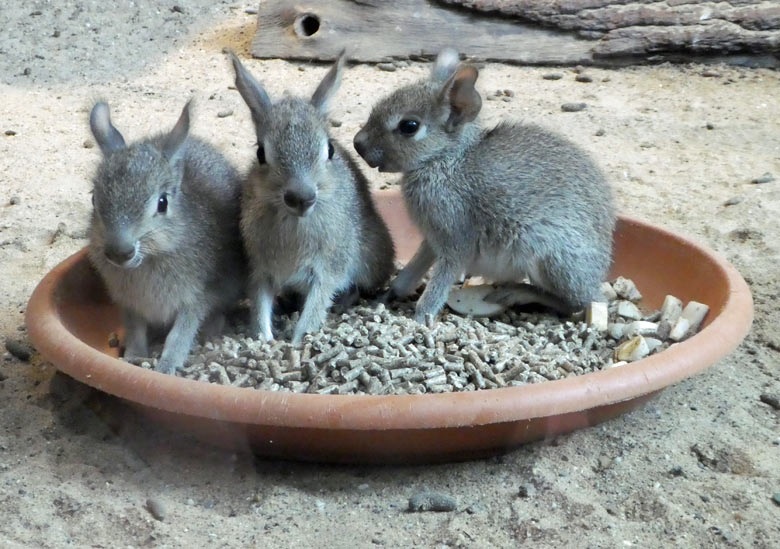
[300, 202]
[360, 143]
[120, 254]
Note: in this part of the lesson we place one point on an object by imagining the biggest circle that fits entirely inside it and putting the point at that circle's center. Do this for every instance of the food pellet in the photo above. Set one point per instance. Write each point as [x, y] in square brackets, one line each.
[375, 349]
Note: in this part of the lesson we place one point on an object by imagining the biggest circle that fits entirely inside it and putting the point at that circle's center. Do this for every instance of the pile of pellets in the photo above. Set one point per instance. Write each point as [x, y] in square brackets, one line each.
[377, 350]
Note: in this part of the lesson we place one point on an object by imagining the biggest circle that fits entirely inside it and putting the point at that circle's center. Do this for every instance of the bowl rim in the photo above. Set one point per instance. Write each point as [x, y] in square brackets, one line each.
[388, 412]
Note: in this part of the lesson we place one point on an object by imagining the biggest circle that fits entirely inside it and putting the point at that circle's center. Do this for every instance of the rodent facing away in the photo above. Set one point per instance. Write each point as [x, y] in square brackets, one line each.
[513, 201]
[164, 235]
[307, 218]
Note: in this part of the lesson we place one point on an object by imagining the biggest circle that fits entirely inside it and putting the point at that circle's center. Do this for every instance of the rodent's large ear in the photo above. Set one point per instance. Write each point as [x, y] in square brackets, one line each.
[445, 65]
[253, 93]
[461, 95]
[329, 84]
[107, 136]
[172, 144]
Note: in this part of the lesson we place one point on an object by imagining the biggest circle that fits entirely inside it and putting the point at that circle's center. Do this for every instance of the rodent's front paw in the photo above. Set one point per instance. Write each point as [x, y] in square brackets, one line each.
[297, 338]
[165, 367]
[263, 336]
[424, 317]
[387, 297]
[133, 354]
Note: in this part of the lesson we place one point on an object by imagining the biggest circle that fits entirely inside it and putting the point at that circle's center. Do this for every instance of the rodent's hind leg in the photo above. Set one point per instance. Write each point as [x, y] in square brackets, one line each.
[346, 298]
[570, 277]
[213, 326]
[136, 335]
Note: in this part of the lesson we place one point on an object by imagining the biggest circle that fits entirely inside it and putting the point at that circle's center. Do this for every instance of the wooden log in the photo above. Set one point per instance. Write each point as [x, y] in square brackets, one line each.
[532, 32]
[379, 31]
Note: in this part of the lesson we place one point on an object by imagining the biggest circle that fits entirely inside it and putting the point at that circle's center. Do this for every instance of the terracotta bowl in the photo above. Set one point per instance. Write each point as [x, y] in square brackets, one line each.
[70, 317]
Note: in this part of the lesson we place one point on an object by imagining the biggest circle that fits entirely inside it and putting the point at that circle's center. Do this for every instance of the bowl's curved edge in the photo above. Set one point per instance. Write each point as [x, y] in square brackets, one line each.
[250, 406]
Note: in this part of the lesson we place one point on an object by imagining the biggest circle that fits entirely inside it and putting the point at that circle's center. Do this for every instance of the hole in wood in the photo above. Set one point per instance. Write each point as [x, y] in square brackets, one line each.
[307, 25]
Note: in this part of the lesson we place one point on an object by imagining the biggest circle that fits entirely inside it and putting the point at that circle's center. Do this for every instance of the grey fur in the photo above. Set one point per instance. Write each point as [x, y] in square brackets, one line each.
[331, 244]
[187, 265]
[504, 203]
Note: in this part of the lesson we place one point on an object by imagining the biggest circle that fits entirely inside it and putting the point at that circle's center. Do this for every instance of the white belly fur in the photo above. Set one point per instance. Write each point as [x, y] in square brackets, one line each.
[500, 266]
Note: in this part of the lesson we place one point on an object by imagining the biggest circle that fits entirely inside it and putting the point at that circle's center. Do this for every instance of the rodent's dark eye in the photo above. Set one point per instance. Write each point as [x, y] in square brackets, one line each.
[331, 150]
[261, 154]
[408, 127]
[162, 203]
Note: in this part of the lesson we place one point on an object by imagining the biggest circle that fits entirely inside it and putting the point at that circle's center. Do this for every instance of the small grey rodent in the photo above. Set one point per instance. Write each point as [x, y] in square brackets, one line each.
[164, 235]
[505, 203]
[307, 218]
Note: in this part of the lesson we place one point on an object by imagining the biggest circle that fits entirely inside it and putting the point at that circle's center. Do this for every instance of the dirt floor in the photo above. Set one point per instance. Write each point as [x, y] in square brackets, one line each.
[697, 467]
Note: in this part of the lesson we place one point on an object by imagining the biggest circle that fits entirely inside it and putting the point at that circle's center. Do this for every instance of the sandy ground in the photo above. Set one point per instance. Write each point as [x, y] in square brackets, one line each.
[76, 468]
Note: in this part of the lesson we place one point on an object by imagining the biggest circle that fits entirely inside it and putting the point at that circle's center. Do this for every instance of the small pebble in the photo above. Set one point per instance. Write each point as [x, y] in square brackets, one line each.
[88, 144]
[766, 178]
[474, 508]
[113, 340]
[387, 67]
[526, 491]
[552, 76]
[616, 330]
[335, 123]
[671, 309]
[628, 310]
[251, 11]
[225, 113]
[626, 289]
[573, 107]
[677, 471]
[733, 201]
[431, 501]
[772, 400]
[58, 232]
[597, 316]
[27, 71]
[710, 74]
[56, 34]
[19, 349]
[15, 200]
[600, 132]
[509, 93]
[156, 508]
[608, 291]
[583, 78]
[640, 327]
[776, 498]
[632, 350]
[710, 126]
[680, 329]
[694, 312]
[177, 9]
[10, 133]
